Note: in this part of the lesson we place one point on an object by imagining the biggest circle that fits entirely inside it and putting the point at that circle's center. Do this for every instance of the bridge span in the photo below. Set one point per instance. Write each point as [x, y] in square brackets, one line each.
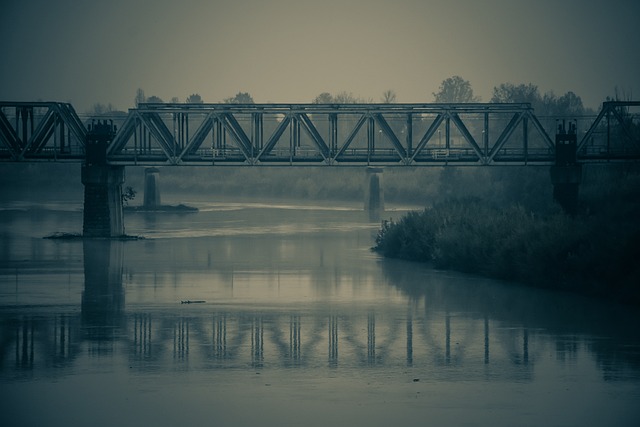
[317, 134]
[373, 135]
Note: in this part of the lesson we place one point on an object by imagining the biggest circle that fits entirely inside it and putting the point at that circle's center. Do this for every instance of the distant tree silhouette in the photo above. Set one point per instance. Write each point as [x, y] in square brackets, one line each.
[154, 100]
[240, 98]
[455, 89]
[323, 98]
[508, 92]
[194, 99]
[140, 98]
[548, 104]
[388, 96]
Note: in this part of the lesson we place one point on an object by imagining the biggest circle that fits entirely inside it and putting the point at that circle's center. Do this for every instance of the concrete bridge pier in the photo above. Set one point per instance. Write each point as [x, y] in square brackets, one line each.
[151, 188]
[374, 193]
[566, 174]
[103, 216]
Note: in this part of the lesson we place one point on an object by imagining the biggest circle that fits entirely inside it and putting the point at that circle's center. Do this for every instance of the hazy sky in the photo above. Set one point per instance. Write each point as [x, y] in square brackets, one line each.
[88, 51]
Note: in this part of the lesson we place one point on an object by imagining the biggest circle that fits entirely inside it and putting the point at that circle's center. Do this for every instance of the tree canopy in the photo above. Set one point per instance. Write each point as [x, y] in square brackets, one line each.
[455, 89]
[194, 99]
[343, 97]
[240, 98]
[568, 104]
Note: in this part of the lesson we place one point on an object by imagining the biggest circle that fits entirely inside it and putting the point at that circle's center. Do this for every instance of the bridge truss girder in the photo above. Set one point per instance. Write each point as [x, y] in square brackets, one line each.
[314, 134]
[40, 130]
[239, 135]
[621, 118]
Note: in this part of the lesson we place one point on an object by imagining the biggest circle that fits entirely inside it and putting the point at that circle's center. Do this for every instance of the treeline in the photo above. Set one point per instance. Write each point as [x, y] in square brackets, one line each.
[454, 89]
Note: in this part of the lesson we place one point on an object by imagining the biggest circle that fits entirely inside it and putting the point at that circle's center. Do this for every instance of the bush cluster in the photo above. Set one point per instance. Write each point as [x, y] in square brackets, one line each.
[593, 254]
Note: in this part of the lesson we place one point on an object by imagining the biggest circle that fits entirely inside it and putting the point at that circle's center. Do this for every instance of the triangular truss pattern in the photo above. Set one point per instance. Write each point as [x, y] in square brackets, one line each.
[40, 131]
[615, 134]
[329, 134]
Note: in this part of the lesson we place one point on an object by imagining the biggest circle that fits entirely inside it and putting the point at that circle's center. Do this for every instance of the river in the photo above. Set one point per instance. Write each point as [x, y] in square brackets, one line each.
[278, 314]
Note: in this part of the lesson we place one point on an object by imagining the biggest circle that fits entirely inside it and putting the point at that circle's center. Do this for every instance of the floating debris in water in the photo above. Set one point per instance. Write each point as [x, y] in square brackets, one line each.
[192, 302]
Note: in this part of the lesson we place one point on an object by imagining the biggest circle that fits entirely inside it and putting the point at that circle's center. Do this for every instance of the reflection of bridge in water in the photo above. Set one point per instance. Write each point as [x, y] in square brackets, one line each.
[209, 338]
[205, 336]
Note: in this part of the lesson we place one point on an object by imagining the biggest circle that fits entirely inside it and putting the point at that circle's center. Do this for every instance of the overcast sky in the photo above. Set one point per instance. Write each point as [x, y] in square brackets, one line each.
[88, 51]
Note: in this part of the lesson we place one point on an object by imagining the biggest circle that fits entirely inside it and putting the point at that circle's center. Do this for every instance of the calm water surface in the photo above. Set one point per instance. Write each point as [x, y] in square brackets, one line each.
[297, 323]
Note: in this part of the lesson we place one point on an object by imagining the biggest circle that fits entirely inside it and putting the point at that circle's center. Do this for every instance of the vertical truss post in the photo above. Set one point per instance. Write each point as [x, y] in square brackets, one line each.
[409, 135]
[485, 136]
[219, 133]
[447, 136]
[371, 137]
[62, 135]
[608, 131]
[185, 141]
[333, 134]
[257, 124]
[525, 138]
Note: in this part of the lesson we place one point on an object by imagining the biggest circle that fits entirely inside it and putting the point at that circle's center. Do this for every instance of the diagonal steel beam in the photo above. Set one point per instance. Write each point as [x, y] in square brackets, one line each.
[235, 130]
[159, 131]
[9, 136]
[504, 136]
[351, 136]
[124, 133]
[428, 134]
[386, 129]
[275, 137]
[536, 123]
[594, 126]
[467, 135]
[196, 140]
[72, 121]
[624, 127]
[42, 133]
[314, 134]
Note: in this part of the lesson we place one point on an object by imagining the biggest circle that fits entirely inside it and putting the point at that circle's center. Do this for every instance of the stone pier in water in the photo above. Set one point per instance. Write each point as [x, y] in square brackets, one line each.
[374, 193]
[103, 216]
[151, 188]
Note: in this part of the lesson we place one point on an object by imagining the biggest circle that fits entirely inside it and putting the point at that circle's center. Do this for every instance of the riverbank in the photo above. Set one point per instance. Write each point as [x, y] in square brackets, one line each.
[594, 253]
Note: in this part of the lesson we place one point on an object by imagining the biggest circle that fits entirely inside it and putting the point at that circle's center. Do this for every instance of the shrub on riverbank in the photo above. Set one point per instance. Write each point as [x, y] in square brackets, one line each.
[594, 254]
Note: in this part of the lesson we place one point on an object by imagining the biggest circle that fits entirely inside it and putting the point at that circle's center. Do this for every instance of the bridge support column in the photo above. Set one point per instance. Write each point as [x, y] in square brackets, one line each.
[566, 174]
[103, 215]
[566, 183]
[374, 193]
[151, 188]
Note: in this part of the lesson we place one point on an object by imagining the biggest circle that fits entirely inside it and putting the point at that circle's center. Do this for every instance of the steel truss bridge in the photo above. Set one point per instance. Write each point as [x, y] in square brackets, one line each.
[317, 134]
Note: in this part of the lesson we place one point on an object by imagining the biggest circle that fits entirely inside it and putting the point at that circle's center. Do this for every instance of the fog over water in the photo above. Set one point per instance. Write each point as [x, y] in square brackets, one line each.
[300, 324]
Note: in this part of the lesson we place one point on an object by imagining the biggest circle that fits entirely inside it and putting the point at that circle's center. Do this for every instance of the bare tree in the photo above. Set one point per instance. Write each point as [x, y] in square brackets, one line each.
[388, 96]
[140, 98]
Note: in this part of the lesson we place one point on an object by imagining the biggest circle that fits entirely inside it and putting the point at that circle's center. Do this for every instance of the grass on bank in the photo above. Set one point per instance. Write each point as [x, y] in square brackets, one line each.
[595, 253]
